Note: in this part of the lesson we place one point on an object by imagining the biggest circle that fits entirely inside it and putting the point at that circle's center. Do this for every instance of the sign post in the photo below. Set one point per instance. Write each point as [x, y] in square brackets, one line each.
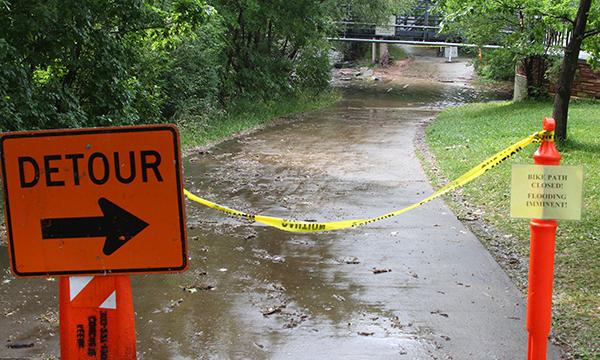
[96, 318]
[538, 192]
[541, 263]
[544, 192]
[90, 206]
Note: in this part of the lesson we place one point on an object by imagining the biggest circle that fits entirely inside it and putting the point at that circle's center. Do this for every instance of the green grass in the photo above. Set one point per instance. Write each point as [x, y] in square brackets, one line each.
[246, 114]
[461, 137]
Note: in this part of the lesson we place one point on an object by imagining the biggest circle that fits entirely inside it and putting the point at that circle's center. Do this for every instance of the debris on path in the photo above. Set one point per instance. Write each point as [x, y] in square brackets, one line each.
[380, 271]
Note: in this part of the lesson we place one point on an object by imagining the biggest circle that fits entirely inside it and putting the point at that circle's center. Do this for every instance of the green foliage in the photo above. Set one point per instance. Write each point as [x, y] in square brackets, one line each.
[77, 63]
[313, 71]
[360, 53]
[521, 27]
[192, 77]
[372, 11]
[397, 53]
[353, 50]
[244, 114]
[360, 11]
[273, 47]
[496, 64]
[514, 24]
[86, 63]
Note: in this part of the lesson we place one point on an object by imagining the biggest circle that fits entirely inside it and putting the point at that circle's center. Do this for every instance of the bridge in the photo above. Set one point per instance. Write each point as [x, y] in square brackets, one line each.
[420, 28]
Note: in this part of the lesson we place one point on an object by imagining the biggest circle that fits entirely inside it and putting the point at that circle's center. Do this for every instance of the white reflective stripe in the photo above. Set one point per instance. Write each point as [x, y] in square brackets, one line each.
[77, 283]
[110, 302]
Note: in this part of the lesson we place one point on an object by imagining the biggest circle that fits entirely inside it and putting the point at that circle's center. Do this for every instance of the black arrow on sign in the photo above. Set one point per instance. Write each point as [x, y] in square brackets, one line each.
[117, 225]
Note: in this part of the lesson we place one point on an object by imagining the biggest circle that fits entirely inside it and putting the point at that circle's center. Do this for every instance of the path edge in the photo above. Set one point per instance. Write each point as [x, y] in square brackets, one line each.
[494, 240]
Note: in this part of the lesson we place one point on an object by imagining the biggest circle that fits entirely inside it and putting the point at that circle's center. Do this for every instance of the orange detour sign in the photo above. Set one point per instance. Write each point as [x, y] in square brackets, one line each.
[96, 318]
[94, 201]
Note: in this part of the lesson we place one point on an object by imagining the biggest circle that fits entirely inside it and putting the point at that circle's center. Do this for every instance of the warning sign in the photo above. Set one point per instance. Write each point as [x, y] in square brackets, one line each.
[94, 201]
[387, 30]
[546, 192]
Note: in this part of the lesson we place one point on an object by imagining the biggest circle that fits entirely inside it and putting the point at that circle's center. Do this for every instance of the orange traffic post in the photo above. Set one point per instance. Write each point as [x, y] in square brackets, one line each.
[541, 263]
[96, 318]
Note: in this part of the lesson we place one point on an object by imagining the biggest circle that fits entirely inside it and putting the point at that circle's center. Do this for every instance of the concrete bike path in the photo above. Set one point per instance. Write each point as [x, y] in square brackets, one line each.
[419, 286]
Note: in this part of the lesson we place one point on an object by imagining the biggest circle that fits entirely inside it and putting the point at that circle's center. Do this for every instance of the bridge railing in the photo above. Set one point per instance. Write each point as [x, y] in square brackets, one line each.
[401, 31]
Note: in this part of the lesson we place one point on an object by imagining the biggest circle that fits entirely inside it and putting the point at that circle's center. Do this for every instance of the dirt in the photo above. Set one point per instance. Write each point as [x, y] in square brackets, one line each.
[402, 73]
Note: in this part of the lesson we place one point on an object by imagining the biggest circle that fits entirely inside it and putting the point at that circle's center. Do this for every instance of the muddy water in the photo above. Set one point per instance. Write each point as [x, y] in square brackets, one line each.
[253, 292]
[262, 293]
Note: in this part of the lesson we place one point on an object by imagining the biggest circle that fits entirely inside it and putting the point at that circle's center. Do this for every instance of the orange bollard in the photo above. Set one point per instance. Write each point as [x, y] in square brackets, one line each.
[96, 318]
[541, 263]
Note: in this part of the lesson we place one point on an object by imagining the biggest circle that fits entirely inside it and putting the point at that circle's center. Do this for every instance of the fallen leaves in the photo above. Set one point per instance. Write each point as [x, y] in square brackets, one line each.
[366, 333]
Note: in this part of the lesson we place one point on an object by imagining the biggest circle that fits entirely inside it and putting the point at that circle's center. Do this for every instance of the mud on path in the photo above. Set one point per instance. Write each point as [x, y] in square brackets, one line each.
[419, 286]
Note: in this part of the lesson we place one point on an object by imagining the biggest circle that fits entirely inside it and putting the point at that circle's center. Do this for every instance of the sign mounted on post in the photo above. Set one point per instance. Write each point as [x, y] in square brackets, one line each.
[450, 52]
[94, 201]
[546, 192]
[387, 30]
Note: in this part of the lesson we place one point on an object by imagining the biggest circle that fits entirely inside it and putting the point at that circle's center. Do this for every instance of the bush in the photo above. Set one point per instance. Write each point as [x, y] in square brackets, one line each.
[353, 51]
[191, 81]
[497, 64]
[313, 71]
[79, 63]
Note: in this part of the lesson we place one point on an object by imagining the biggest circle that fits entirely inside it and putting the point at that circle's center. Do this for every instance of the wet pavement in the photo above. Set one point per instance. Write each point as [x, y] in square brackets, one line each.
[419, 286]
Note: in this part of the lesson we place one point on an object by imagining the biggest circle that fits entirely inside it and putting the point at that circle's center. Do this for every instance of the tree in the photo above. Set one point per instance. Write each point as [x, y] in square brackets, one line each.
[522, 27]
[75, 63]
[369, 11]
[271, 47]
[513, 25]
[279, 46]
[569, 64]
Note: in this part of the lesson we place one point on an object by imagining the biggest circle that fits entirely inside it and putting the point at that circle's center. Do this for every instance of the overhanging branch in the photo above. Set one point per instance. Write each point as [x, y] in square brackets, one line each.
[591, 33]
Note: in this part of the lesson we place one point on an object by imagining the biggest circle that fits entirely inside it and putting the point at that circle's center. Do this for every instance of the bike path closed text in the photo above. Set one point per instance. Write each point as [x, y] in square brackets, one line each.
[546, 192]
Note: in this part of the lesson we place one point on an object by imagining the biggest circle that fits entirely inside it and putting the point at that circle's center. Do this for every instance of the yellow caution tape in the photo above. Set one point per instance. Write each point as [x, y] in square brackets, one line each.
[307, 226]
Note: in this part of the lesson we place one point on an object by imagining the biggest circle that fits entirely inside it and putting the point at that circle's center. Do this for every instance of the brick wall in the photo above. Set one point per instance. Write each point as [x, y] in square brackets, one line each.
[586, 82]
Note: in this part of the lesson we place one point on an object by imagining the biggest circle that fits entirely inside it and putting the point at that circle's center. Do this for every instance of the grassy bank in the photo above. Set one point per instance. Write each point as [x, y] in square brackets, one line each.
[461, 137]
[245, 114]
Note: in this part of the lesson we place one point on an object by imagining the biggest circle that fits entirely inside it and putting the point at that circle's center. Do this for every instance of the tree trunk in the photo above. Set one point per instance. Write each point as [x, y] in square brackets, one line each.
[528, 69]
[567, 71]
[534, 67]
